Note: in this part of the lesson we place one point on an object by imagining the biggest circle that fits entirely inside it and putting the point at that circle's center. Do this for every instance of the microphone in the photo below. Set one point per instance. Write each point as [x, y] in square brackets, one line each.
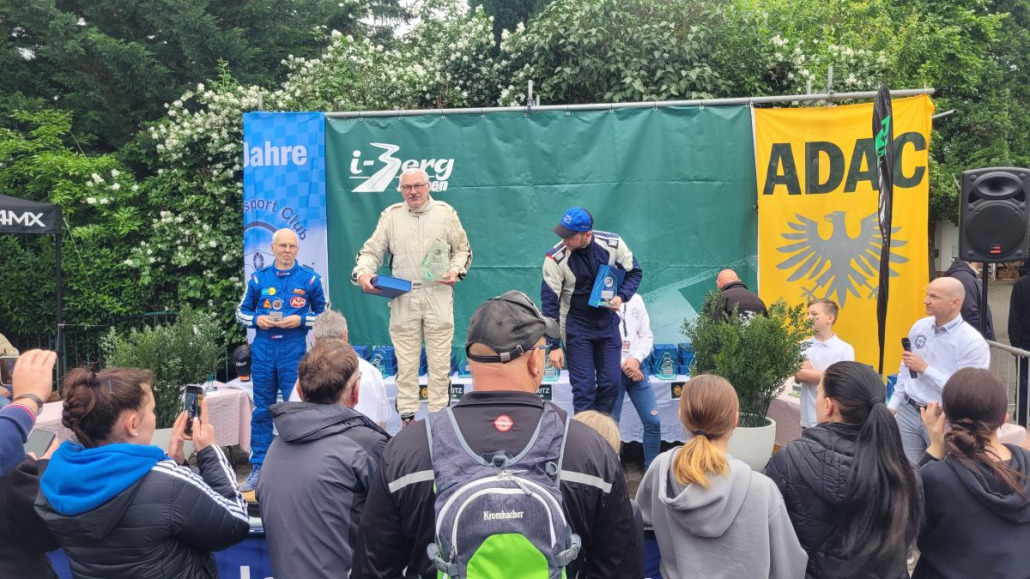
[906, 344]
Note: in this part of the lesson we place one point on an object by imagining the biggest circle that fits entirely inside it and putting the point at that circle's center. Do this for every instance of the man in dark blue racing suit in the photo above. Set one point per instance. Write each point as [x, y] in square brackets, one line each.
[591, 334]
[282, 302]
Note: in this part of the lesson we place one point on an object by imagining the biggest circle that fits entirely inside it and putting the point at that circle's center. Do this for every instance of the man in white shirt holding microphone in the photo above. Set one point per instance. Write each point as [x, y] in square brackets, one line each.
[940, 344]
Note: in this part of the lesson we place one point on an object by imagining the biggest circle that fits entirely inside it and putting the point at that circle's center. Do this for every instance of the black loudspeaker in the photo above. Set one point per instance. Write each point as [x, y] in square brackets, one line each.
[994, 216]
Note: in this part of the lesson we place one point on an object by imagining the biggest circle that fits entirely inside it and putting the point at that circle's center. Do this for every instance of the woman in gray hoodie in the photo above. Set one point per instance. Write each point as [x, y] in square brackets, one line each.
[712, 515]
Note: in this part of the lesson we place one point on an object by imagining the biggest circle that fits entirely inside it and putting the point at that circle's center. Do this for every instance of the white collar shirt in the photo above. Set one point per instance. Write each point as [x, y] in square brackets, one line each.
[635, 328]
[821, 355]
[945, 349]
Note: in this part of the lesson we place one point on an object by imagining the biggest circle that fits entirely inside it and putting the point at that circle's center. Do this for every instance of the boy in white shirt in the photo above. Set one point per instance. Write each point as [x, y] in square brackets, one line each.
[824, 349]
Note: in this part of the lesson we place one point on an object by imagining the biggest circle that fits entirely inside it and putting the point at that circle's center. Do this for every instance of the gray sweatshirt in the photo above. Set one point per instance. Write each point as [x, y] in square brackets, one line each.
[737, 527]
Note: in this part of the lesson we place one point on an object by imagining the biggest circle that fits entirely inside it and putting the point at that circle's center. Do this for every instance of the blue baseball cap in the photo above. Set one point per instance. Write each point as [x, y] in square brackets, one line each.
[576, 220]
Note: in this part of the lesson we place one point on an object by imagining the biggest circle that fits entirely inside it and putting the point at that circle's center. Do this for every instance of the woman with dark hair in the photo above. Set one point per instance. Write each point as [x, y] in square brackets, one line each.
[712, 515]
[977, 489]
[851, 493]
[122, 508]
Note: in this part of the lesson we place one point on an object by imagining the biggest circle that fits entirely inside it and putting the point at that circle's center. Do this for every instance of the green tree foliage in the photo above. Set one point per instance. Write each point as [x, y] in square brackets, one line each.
[103, 212]
[509, 14]
[114, 64]
[157, 225]
[755, 354]
[184, 352]
[629, 50]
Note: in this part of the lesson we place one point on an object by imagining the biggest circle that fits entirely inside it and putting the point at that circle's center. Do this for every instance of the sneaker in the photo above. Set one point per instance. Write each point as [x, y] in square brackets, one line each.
[252, 480]
[407, 419]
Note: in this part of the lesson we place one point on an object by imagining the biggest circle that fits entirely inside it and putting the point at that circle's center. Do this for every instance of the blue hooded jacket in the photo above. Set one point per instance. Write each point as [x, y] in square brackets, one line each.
[80, 479]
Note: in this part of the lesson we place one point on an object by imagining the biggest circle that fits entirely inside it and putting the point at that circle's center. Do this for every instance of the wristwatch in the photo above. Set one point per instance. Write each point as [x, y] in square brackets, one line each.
[32, 397]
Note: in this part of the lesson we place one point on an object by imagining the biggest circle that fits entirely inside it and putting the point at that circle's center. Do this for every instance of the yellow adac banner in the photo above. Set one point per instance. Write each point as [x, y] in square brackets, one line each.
[818, 234]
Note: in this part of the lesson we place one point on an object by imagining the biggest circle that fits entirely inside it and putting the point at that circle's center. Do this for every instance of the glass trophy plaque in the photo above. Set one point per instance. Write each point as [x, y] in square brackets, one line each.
[463, 367]
[666, 367]
[436, 263]
[606, 286]
[551, 372]
[377, 362]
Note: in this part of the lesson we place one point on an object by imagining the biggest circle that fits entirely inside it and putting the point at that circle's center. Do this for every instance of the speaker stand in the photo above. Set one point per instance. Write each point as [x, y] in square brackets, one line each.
[985, 274]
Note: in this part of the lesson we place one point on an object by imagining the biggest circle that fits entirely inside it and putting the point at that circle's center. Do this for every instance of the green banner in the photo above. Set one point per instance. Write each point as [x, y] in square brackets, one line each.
[677, 183]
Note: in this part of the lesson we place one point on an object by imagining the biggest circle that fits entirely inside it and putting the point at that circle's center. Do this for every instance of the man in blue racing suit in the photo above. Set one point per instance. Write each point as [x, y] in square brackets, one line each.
[591, 334]
[282, 302]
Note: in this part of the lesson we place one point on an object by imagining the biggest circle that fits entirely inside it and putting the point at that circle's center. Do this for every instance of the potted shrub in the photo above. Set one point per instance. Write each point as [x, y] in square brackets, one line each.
[756, 355]
[183, 352]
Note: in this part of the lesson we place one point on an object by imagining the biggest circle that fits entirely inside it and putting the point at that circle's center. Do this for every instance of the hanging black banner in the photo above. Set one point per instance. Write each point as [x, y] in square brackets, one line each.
[883, 132]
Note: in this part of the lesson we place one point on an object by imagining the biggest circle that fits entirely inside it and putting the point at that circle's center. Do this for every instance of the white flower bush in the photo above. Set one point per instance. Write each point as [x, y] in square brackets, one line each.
[195, 250]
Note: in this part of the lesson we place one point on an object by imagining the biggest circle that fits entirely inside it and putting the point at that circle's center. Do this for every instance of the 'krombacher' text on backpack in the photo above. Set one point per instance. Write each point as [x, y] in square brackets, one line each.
[500, 517]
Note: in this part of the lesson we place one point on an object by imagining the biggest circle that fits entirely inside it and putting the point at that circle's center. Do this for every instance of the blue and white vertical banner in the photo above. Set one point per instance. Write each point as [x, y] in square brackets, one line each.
[284, 187]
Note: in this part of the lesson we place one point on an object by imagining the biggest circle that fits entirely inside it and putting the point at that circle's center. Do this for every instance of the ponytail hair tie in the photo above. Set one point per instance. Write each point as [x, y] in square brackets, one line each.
[703, 433]
[875, 401]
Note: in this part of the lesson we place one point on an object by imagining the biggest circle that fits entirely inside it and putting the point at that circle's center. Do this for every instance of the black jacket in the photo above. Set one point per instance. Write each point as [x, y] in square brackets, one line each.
[813, 474]
[961, 271]
[398, 521]
[736, 295]
[24, 539]
[1019, 313]
[974, 526]
[165, 525]
[314, 484]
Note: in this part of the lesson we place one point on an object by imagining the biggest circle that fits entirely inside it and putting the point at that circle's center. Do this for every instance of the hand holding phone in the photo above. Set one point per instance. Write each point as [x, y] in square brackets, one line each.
[39, 442]
[33, 376]
[191, 405]
[7, 371]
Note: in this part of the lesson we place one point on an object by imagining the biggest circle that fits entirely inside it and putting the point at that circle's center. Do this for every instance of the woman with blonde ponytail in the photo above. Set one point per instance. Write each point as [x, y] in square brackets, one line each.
[712, 515]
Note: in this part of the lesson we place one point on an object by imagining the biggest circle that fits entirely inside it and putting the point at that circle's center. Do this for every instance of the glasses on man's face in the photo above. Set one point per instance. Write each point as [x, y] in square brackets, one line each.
[413, 187]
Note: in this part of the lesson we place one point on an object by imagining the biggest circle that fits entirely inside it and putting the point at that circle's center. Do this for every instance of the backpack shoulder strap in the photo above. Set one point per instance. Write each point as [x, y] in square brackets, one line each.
[429, 435]
[564, 441]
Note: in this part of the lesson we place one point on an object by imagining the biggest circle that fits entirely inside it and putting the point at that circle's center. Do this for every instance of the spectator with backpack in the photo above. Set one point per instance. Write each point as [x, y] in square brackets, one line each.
[509, 476]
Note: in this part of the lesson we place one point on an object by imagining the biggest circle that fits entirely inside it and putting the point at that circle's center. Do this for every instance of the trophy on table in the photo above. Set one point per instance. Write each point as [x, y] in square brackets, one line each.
[551, 372]
[666, 368]
[377, 362]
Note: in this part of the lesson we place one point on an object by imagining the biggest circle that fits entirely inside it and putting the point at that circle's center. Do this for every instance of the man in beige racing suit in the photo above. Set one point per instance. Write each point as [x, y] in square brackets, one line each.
[429, 247]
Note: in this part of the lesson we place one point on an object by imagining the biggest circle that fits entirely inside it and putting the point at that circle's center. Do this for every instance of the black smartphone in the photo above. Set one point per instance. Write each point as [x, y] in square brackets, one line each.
[191, 404]
[7, 370]
[39, 442]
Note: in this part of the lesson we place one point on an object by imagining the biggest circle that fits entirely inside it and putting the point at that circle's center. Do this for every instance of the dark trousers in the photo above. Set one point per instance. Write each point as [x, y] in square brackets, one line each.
[592, 356]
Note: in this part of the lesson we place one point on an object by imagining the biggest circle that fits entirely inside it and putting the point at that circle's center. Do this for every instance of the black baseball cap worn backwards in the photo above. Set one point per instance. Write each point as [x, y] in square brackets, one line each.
[510, 325]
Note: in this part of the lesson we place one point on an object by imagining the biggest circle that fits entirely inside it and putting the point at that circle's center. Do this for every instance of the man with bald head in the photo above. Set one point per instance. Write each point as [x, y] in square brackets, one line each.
[427, 246]
[941, 344]
[281, 303]
[733, 294]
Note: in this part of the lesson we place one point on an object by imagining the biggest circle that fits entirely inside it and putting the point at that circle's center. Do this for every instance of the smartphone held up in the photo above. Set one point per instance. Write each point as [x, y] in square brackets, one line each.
[191, 405]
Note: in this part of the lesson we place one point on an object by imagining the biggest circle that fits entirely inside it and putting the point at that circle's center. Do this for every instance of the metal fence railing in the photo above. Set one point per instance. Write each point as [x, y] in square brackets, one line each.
[80, 345]
[1010, 366]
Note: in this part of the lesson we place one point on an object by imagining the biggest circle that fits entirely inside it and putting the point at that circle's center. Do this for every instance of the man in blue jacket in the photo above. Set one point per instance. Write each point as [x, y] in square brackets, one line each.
[282, 302]
[591, 334]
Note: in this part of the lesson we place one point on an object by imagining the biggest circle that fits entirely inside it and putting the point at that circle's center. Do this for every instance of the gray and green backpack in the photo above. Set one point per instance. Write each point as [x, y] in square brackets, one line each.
[500, 516]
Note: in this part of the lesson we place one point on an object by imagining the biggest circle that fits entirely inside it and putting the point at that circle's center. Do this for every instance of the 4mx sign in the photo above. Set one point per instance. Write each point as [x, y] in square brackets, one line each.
[25, 218]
